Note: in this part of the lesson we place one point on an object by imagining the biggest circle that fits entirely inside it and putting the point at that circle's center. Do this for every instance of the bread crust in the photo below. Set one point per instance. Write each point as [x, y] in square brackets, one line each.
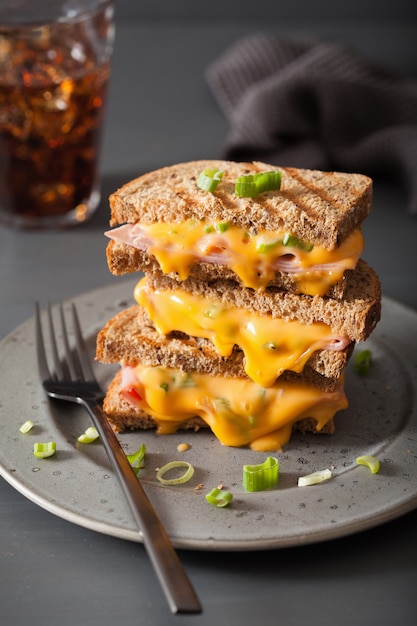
[320, 207]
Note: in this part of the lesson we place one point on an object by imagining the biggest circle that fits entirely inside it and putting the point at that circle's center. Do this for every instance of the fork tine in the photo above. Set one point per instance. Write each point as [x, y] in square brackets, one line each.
[40, 346]
[81, 347]
[74, 366]
[55, 357]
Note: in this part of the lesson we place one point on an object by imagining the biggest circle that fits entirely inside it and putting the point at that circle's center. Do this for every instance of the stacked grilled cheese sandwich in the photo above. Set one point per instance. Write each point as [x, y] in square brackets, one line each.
[251, 300]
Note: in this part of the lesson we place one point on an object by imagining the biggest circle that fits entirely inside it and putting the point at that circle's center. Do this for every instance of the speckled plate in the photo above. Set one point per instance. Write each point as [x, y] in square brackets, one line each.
[78, 484]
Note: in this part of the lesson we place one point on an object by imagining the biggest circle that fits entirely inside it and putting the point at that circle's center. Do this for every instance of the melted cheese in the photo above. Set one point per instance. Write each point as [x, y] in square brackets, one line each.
[270, 345]
[255, 258]
[238, 411]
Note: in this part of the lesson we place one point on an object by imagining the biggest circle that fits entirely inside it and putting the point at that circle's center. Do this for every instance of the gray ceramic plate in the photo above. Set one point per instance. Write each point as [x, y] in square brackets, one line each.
[78, 484]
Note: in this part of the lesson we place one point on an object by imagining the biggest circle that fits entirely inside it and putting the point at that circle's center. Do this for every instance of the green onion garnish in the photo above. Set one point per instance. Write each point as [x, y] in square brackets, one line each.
[268, 181]
[222, 404]
[43, 450]
[137, 459]
[209, 179]
[218, 497]
[251, 185]
[26, 427]
[221, 227]
[245, 187]
[189, 471]
[370, 461]
[212, 312]
[90, 435]
[294, 242]
[314, 478]
[263, 247]
[187, 381]
[362, 362]
[262, 476]
[164, 386]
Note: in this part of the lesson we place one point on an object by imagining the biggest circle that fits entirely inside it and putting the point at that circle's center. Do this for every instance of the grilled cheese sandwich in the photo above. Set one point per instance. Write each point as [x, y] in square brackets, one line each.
[250, 307]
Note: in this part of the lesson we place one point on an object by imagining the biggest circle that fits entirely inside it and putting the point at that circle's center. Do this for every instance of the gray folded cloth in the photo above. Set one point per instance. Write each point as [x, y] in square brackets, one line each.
[319, 105]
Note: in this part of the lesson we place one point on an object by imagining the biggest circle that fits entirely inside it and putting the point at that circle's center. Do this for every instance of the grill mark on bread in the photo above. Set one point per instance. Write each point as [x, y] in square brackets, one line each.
[331, 201]
[160, 196]
[327, 187]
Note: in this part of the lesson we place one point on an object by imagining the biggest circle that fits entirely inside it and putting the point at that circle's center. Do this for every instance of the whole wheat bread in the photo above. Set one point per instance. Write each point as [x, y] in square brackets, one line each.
[322, 208]
[355, 316]
[130, 337]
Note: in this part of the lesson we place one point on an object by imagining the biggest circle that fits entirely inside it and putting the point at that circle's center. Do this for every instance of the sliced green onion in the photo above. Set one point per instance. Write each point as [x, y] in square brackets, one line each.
[90, 435]
[314, 478]
[370, 461]
[137, 459]
[189, 471]
[221, 227]
[362, 363]
[251, 185]
[43, 450]
[222, 404]
[26, 427]
[245, 187]
[164, 386]
[294, 242]
[268, 181]
[187, 381]
[209, 179]
[212, 312]
[262, 476]
[264, 247]
[218, 497]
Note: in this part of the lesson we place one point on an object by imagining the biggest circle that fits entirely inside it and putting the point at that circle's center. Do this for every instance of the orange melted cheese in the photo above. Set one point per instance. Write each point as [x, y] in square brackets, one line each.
[238, 411]
[270, 345]
[253, 257]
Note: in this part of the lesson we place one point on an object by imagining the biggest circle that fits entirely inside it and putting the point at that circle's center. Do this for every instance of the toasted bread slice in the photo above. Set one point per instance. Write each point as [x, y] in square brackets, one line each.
[355, 316]
[322, 208]
[130, 337]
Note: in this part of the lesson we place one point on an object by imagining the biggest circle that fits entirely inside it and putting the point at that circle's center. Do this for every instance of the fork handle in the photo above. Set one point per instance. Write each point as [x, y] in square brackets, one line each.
[172, 576]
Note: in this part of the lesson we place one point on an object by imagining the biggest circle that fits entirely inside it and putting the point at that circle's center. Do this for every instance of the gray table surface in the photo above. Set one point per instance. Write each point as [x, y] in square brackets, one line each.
[53, 572]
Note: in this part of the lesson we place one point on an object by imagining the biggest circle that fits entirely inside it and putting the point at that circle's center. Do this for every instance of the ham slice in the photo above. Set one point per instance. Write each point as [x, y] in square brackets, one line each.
[212, 249]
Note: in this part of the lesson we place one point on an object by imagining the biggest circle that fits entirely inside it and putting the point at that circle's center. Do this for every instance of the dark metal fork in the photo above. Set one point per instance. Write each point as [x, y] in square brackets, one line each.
[73, 380]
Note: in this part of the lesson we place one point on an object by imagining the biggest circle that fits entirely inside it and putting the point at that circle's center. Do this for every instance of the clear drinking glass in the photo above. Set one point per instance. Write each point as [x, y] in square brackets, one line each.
[54, 73]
